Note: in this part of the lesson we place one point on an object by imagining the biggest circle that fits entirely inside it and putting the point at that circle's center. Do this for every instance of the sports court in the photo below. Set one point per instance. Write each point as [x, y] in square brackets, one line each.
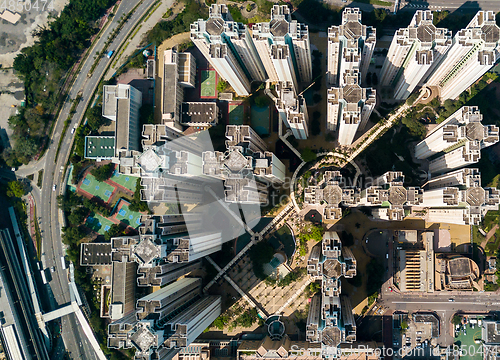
[236, 113]
[208, 84]
[260, 119]
[95, 188]
[123, 214]
[126, 181]
[98, 223]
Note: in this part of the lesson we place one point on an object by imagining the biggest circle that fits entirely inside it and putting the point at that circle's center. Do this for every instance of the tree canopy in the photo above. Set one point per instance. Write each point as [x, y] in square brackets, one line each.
[103, 173]
[308, 155]
[15, 189]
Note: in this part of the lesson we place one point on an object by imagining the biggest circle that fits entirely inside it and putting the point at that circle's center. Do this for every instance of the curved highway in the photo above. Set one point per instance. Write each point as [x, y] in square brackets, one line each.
[74, 340]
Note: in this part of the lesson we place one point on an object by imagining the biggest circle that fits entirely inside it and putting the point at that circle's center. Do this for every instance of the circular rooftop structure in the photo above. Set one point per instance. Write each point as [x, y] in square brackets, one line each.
[397, 195]
[475, 196]
[353, 30]
[331, 336]
[352, 93]
[490, 33]
[235, 161]
[276, 329]
[426, 33]
[215, 26]
[474, 131]
[278, 27]
[332, 194]
[332, 268]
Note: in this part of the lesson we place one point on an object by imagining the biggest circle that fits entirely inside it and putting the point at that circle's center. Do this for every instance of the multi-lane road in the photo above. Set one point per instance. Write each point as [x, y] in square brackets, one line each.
[439, 303]
[451, 5]
[74, 339]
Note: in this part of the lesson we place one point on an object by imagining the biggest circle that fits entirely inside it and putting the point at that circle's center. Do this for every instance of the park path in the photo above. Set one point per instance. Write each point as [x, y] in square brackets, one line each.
[489, 235]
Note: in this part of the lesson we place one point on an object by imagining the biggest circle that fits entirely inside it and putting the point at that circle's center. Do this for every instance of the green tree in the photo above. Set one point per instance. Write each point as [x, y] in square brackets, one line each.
[248, 318]
[95, 119]
[308, 155]
[114, 231]
[456, 320]
[78, 215]
[15, 189]
[103, 173]
[221, 85]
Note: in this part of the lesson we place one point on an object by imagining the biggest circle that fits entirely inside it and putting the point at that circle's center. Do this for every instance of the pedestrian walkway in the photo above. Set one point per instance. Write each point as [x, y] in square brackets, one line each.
[296, 294]
[263, 314]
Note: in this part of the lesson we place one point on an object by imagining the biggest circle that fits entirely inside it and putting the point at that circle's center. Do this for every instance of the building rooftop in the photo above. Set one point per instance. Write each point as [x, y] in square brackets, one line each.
[93, 254]
[99, 147]
[169, 82]
[193, 113]
[122, 130]
[215, 26]
[491, 333]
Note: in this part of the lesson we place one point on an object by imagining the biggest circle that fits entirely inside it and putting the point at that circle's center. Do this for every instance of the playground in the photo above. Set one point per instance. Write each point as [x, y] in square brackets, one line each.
[123, 214]
[125, 181]
[236, 113]
[208, 84]
[260, 119]
[95, 188]
[98, 223]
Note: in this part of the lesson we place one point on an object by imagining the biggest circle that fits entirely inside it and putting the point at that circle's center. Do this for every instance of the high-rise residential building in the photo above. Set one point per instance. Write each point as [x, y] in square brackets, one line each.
[245, 137]
[174, 317]
[390, 197]
[457, 197]
[350, 47]
[349, 107]
[284, 47]
[330, 193]
[292, 110]
[474, 51]
[459, 178]
[228, 47]
[457, 141]
[330, 320]
[163, 302]
[246, 173]
[179, 71]
[121, 103]
[414, 53]
[227, 66]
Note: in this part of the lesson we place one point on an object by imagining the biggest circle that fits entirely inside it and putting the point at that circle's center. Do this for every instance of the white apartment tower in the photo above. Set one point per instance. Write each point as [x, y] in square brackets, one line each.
[414, 53]
[226, 64]
[474, 51]
[284, 48]
[349, 108]
[292, 110]
[228, 47]
[350, 47]
[459, 138]
[458, 198]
